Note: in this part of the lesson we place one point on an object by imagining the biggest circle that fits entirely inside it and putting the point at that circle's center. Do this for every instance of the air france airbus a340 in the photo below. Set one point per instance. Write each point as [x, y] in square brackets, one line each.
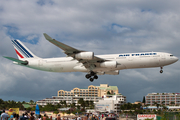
[93, 65]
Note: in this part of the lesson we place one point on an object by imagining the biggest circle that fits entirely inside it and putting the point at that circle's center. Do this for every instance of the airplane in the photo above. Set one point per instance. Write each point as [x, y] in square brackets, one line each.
[84, 61]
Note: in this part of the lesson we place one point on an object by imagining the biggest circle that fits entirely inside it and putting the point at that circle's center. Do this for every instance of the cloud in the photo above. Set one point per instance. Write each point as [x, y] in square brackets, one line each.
[104, 27]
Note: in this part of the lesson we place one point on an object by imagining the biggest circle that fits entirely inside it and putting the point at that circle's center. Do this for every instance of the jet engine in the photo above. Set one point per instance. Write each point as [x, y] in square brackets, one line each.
[85, 55]
[109, 64]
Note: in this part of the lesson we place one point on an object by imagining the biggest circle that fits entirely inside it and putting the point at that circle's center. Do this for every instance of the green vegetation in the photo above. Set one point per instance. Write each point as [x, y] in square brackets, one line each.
[73, 108]
[163, 113]
[130, 106]
[108, 93]
[144, 100]
[11, 104]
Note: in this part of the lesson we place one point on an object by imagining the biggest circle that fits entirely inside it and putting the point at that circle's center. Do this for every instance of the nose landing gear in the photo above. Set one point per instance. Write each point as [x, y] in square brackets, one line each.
[161, 71]
[91, 76]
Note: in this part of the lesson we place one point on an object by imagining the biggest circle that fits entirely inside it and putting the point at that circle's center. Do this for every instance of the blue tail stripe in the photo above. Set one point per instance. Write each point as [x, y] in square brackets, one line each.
[19, 49]
[23, 48]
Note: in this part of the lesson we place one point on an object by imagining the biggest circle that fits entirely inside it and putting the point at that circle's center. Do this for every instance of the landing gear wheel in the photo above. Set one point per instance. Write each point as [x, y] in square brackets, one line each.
[161, 71]
[91, 76]
[92, 73]
[95, 77]
[88, 76]
[91, 79]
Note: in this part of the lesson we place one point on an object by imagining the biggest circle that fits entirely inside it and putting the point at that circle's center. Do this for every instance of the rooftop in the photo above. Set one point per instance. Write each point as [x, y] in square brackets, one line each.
[163, 94]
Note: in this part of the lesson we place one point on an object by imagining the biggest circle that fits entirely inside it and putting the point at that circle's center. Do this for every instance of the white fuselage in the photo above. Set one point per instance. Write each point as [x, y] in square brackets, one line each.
[125, 61]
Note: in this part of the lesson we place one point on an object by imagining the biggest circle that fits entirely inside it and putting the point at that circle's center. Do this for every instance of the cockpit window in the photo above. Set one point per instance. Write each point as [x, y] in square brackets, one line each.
[171, 55]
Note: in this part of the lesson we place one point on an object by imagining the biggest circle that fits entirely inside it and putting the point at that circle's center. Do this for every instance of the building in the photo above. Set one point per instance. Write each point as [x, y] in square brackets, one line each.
[139, 102]
[160, 107]
[92, 93]
[110, 103]
[163, 98]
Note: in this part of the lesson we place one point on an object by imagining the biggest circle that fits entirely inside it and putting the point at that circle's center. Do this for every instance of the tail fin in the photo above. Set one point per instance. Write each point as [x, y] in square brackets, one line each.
[21, 50]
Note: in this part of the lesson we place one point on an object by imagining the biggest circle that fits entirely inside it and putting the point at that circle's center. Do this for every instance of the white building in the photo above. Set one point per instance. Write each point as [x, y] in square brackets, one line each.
[69, 100]
[160, 107]
[110, 103]
[163, 98]
[92, 93]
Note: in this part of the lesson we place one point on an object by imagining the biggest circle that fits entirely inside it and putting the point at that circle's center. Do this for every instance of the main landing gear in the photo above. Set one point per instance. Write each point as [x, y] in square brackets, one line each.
[91, 76]
[161, 71]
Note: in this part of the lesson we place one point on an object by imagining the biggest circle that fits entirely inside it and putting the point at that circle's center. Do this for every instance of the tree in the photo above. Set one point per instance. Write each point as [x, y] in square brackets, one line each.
[87, 103]
[1, 104]
[1, 101]
[172, 103]
[122, 107]
[144, 100]
[108, 93]
[23, 102]
[157, 105]
[49, 107]
[58, 105]
[78, 107]
[81, 102]
[31, 102]
[63, 103]
[91, 104]
[163, 102]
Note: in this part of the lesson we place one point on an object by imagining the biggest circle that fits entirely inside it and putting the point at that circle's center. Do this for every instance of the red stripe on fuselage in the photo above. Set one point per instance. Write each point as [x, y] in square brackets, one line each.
[19, 54]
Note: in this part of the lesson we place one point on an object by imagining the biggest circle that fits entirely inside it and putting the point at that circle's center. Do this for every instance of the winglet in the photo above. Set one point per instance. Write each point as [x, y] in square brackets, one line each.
[47, 37]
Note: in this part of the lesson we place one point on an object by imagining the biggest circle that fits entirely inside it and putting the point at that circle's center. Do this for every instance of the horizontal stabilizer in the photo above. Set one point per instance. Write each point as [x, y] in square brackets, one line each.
[17, 60]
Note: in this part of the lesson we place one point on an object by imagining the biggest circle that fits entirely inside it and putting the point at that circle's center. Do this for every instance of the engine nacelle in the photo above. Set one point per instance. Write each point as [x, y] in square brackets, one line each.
[85, 55]
[109, 64]
[116, 72]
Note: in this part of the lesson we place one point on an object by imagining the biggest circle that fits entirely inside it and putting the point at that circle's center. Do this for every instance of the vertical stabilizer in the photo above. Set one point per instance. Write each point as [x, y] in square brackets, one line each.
[21, 50]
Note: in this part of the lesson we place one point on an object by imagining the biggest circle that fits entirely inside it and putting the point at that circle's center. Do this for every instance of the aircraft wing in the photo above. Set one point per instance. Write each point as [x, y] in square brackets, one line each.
[67, 49]
[70, 51]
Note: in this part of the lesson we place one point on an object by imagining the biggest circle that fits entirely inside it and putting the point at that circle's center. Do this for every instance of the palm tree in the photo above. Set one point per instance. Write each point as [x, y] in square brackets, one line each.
[87, 103]
[1, 104]
[91, 104]
[157, 105]
[63, 103]
[129, 105]
[73, 105]
[31, 102]
[163, 102]
[81, 102]
[172, 103]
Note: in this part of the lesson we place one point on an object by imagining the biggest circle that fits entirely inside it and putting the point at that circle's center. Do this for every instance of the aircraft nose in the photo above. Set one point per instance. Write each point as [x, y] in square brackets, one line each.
[176, 58]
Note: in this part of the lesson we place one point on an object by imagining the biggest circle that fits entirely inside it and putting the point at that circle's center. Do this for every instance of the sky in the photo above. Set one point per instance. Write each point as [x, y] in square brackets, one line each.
[104, 27]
